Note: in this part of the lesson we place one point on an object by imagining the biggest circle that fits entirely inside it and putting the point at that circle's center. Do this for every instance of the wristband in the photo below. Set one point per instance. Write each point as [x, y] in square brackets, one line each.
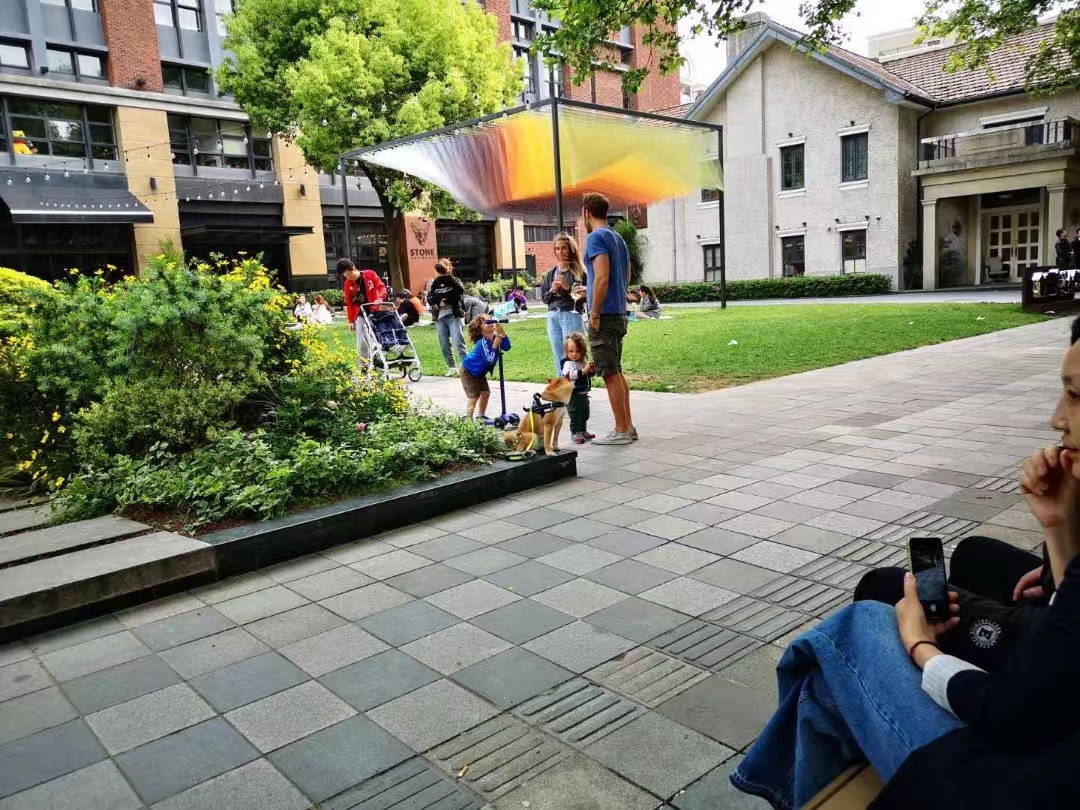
[917, 644]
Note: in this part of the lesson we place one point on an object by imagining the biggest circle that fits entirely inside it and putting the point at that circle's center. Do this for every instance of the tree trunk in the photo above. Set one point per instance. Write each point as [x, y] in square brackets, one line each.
[397, 277]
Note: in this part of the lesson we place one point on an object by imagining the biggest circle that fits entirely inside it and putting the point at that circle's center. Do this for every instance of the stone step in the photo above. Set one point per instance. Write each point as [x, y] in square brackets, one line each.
[19, 520]
[58, 585]
[7, 504]
[54, 540]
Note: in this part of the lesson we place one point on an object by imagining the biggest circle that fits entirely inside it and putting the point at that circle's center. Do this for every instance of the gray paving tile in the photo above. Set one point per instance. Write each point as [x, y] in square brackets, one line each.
[410, 536]
[432, 714]
[34, 712]
[498, 755]
[95, 787]
[289, 715]
[430, 579]
[299, 568]
[630, 576]
[91, 656]
[455, 648]
[724, 710]
[811, 538]
[181, 629]
[688, 596]
[360, 550]
[718, 541]
[29, 761]
[389, 565]
[578, 646]
[407, 786]
[702, 644]
[537, 519]
[791, 512]
[579, 559]
[494, 532]
[714, 790]
[621, 515]
[485, 561]
[636, 619]
[668, 527]
[739, 501]
[180, 761]
[529, 578]
[21, 678]
[677, 558]
[128, 725]
[408, 622]
[533, 545]
[366, 601]
[752, 617]
[292, 625]
[756, 525]
[658, 754]
[757, 670]
[339, 757]
[706, 513]
[774, 556]
[733, 575]
[581, 529]
[260, 604]
[256, 784]
[247, 681]
[472, 599]
[510, 677]
[108, 687]
[522, 621]
[647, 676]
[157, 610]
[233, 587]
[445, 547]
[578, 712]
[213, 652]
[329, 583]
[661, 503]
[11, 653]
[845, 524]
[333, 649]
[379, 679]
[562, 786]
[626, 542]
[579, 597]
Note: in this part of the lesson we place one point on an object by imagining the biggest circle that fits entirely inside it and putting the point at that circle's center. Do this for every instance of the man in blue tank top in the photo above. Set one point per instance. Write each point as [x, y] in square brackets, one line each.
[607, 265]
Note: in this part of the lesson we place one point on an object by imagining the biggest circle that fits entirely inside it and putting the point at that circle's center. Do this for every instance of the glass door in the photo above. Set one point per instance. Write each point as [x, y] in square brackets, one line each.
[1011, 237]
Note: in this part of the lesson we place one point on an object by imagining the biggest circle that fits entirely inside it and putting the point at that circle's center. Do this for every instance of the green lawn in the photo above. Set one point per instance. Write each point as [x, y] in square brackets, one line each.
[691, 351]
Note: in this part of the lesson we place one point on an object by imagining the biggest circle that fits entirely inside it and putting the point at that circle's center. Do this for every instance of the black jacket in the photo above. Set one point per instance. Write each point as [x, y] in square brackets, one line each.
[1064, 253]
[1022, 738]
[1076, 251]
[447, 290]
[558, 300]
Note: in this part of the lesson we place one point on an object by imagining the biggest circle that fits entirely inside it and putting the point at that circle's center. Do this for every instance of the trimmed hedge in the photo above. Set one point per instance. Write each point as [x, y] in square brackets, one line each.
[792, 287]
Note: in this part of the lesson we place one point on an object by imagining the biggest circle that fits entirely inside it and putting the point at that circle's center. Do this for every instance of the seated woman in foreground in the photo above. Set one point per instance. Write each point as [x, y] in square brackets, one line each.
[871, 683]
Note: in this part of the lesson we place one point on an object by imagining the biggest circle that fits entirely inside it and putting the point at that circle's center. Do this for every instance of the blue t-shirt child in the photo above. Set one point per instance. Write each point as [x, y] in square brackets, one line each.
[483, 357]
[606, 241]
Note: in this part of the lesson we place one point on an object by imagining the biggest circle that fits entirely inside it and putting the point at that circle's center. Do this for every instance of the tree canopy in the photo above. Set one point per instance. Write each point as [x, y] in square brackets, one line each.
[979, 27]
[336, 75]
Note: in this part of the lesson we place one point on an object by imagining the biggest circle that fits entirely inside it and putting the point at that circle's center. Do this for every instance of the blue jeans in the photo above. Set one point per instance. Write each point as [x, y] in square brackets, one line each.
[560, 325]
[449, 329]
[848, 693]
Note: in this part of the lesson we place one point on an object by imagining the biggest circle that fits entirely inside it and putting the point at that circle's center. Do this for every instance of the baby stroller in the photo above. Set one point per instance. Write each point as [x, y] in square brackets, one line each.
[390, 350]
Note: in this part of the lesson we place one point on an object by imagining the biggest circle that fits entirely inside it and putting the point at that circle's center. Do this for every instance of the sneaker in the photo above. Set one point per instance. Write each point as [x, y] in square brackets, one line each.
[579, 438]
[633, 434]
[614, 438]
[589, 436]
[451, 372]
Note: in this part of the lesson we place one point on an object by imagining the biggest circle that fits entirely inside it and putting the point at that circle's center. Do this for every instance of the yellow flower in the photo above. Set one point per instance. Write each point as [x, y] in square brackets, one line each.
[45, 437]
[9, 436]
[61, 429]
[56, 416]
[59, 482]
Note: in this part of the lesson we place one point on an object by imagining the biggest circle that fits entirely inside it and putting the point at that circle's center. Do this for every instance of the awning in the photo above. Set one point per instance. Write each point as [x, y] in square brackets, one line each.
[37, 203]
[268, 234]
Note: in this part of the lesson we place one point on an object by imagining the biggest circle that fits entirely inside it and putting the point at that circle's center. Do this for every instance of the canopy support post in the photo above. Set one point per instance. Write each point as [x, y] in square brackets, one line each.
[345, 206]
[558, 156]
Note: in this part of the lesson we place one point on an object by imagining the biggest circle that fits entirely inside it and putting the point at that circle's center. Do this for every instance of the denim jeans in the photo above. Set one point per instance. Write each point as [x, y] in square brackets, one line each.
[560, 325]
[449, 329]
[848, 693]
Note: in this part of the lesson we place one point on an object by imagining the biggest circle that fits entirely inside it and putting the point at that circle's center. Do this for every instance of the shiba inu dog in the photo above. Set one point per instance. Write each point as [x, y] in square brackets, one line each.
[541, 427]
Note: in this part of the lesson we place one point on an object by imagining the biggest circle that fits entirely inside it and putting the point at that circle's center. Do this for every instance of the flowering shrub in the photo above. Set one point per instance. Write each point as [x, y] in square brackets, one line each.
[182, 390]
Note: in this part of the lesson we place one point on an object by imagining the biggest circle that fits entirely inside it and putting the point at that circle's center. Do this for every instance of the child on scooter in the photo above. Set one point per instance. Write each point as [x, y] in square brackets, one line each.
[489, 340]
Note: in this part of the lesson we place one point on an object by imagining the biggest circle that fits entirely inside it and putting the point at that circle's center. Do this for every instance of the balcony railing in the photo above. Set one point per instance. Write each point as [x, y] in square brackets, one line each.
[1000, 139]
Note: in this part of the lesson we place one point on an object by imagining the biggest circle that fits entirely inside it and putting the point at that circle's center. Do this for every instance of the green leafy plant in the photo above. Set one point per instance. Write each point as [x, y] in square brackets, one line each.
[19, 294]
[793, 287]
[636, 246]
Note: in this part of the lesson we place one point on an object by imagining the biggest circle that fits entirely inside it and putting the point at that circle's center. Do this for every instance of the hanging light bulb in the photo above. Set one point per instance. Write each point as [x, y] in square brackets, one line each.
[85, 170]
[235, 190]
[384, 107]
[172, 155]
[247, 188]
[105, 167]
[27, 178]
[325, 122]
[198, 196]
[9, 181]
[262, 184]
[269, 134]
[195, 150]
[67, 173]
[187, 198]
[245, 140]
[276, 183]
[353, 116]
[47, 176]
[222, 193]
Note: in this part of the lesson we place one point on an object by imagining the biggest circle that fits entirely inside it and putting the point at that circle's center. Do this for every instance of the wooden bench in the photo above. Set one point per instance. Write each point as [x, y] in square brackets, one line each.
[854, 789]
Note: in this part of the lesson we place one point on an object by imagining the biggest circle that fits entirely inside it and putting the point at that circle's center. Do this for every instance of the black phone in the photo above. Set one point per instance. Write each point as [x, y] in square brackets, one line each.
[926, 560]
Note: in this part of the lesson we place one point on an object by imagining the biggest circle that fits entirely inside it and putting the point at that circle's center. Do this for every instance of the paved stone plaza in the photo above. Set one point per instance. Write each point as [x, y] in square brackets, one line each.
[608, 642]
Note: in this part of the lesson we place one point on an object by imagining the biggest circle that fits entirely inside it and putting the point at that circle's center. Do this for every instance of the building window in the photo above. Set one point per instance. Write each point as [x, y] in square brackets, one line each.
[76, 5]
[791, 163]
[79, 66]
[185, 81]
[625, 55]
[546, 233]
[553, 82]
[529, 73]
[218, 144]
[63, 130]
[853, 154]
[521, 30]
[710, 195]
[712, 262]
[853, 251]
[14, 55]
[186, 14]
[793, 255]
[627, 100]
[221, 8]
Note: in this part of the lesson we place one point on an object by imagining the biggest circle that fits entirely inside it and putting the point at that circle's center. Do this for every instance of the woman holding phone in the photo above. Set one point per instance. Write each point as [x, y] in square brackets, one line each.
[872, 683]
[563, 290]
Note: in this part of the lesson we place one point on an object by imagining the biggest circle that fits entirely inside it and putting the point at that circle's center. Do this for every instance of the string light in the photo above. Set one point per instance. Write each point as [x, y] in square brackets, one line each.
[245, 140]
[9, 181]
[47, 176]
[325, 122]
[27, 178]
[67, 173]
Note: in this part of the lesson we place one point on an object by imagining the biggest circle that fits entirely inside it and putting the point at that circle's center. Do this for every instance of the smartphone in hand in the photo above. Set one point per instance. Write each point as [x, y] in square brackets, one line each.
[926, 560]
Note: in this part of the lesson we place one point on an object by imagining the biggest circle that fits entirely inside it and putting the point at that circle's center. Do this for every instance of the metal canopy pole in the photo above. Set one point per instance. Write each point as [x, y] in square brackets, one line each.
[558, 158]
[513, 256]
[720, 221]
[345, 205]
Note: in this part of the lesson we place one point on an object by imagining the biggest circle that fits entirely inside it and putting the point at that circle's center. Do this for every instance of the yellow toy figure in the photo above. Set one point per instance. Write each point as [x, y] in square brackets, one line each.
[22, 145]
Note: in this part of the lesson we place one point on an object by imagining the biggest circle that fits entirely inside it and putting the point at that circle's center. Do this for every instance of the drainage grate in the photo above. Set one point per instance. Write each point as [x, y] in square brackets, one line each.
[647, 676]
[838, 573]
[704, 645]
[578, 712]
[800, 594]
[410, 785]
[1003, 485]
[761, 620]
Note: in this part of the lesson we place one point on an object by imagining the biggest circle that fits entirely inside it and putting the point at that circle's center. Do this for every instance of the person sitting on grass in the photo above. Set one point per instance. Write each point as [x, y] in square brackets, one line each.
[648, 303]
[474, 306]
[302, 310]
[407, 307]
[516, 296]
[575, 366]
[489, 341]
[321, 313]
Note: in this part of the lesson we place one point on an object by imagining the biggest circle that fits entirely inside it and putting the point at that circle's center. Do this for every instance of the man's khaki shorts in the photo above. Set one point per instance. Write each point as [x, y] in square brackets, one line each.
[605, 344]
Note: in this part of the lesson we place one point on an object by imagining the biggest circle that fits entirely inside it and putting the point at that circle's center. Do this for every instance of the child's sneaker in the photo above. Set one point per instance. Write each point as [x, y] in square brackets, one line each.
[451, 372]
[589, 436]
[580, 438]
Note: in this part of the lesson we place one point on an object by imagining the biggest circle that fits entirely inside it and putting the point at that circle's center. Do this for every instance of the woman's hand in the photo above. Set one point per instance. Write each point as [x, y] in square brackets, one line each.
[1043, 483]
[911, 618]
[1029, 586]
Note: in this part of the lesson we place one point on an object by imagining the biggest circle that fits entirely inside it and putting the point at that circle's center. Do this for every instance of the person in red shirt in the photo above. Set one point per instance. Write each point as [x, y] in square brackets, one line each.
[365, 287]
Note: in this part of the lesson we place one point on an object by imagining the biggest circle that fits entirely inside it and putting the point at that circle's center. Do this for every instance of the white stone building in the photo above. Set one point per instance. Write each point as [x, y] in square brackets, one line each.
[836, 162]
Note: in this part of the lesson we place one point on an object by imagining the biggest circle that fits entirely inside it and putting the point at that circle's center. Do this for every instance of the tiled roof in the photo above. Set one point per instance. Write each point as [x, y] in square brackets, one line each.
[678, 111]
[1004, 71]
